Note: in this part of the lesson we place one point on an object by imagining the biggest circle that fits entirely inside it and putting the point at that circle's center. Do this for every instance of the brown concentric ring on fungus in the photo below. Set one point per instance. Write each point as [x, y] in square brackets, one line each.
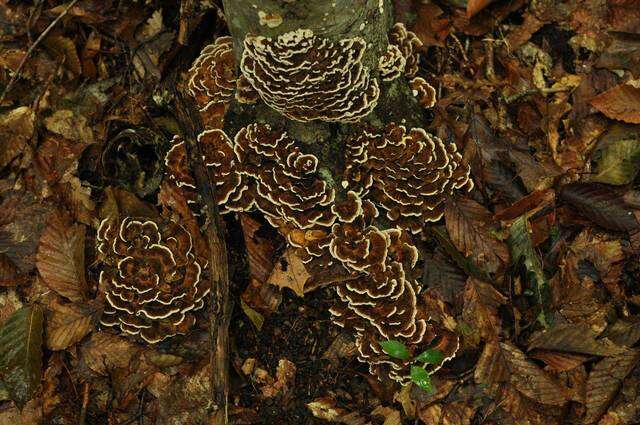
[212, 80]
[392, 64]
[307, 77]
[424, 92]
[245, 93]
[284, 183]
[409, 44]
[153, 282]
[177, 170]
[220, 159]
[407, 173]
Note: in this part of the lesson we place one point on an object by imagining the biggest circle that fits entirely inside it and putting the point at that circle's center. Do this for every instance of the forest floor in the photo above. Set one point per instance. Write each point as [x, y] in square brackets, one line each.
[536, 270]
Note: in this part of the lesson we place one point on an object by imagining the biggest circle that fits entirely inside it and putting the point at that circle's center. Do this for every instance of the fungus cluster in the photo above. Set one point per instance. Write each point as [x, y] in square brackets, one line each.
[380, 302]
[409, 174]
[213, 80]
[151, 277]
[408, 43]
[307, 77]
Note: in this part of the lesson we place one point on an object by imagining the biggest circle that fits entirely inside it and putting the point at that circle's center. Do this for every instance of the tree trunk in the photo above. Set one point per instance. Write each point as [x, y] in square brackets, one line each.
[335, 20]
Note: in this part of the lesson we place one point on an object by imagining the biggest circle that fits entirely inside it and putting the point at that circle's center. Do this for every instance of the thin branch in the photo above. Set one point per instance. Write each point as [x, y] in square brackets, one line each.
[32, 48]
[220, 309]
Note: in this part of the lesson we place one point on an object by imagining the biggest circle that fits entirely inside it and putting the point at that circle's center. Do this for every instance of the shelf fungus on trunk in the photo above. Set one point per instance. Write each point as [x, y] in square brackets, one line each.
[408, 43]
[424, 92]
[212, 80]
[381, 302]
[151, 277]
[282, 180]
[307, 77]
[409, 174]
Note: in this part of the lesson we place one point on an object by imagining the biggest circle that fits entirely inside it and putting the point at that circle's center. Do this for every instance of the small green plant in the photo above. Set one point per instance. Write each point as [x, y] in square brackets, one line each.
[418, 372]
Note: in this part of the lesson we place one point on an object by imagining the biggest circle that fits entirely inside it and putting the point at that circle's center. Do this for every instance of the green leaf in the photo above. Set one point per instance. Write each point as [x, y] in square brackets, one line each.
[619, 163]
[522, 252]
[431, 356]
[395, 349]
[421, 378]
[21, 353]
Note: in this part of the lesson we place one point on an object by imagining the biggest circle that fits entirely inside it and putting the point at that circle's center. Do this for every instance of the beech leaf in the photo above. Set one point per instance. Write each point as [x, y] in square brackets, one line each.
[600, 204]
[67, 324]
[21, 353]
[60, 258]
[619, 163]
[605, 380]
[431, 356]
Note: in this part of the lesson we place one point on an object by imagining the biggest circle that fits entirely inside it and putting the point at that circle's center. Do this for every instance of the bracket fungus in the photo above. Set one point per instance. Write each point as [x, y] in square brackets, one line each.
[424, 92]
[307, 77]
[151, 277]
[380, 303]
[409, 44]
[392, 64]
[212, 80]
[407, 173]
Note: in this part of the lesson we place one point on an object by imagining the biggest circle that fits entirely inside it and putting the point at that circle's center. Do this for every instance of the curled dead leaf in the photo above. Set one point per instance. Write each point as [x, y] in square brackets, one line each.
[290, 272]
[622, 102]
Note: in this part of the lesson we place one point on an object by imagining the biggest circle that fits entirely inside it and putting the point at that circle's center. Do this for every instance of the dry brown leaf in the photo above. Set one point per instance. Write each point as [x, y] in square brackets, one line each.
[61, 46]
[559, 362]
[480, 311]
[620, 103]
[470, 227]
[21, 222]
[60, 258]
[574, 338]
[290, 272]
[475, 6]
[70, 125]
[16, 128]
[326, 408]
[605, 380]
[456, 413]
[67, 324]
[503, 363]
[104, 352]
[391, 416]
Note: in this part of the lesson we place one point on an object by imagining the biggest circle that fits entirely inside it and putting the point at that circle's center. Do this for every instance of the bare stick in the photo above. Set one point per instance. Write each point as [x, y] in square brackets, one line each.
[32, 48]
[220, 310]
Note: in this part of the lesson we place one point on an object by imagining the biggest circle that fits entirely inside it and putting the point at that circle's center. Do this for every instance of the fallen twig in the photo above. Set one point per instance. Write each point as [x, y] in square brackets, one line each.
[32, 48]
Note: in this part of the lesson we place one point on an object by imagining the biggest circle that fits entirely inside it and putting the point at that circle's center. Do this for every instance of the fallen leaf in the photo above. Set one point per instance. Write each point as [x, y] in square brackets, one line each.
[502, 362]
[620, 103]
[471, 228]
[558, 361]
[573, 338]
[619, 160]
[290, 272]
[67, 324]
[522, 252]
[455, 413]
[60, 258]
[16, 128]
[600, 204]
[61, 46]
[475, 6]
[104, 352]
[70, 125]
[605, 380]
[480, 311]
[21, 353]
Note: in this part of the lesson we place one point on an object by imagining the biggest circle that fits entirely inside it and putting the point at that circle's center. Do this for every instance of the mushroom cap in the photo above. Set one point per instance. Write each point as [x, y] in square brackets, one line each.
[152, 280]
[307, 77]
[212, 80]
